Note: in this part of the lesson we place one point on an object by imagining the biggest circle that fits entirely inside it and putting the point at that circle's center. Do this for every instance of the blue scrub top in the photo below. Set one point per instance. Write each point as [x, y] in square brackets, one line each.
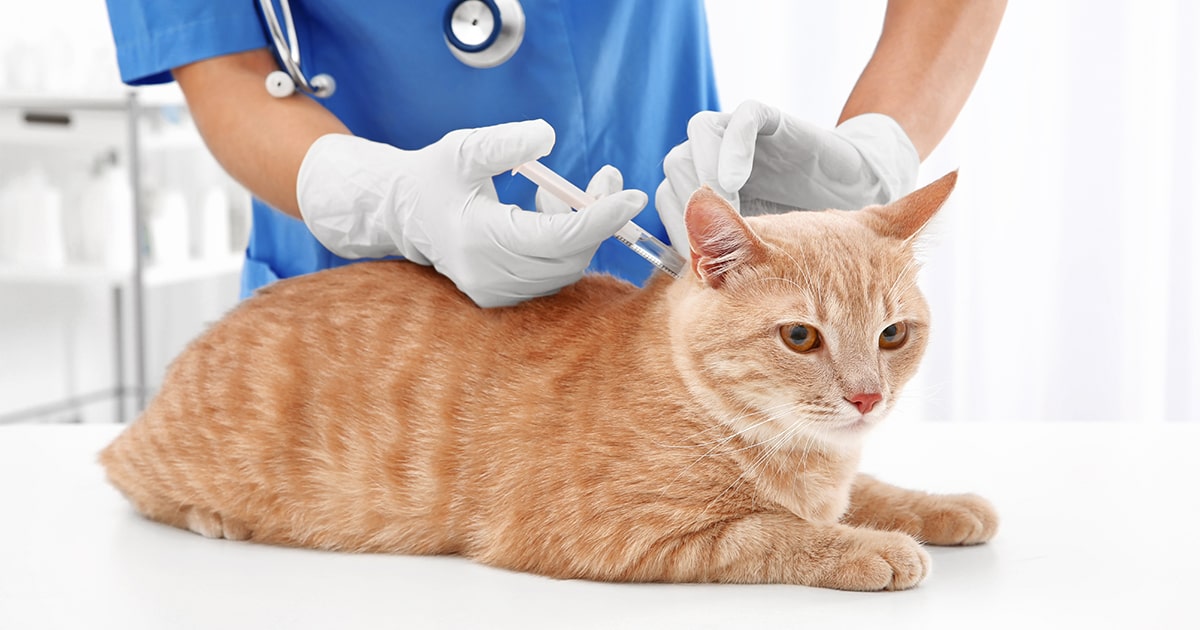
[618, 80]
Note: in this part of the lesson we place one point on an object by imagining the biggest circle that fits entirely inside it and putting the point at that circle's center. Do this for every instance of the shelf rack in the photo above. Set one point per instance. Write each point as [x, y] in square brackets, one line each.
[52, 109]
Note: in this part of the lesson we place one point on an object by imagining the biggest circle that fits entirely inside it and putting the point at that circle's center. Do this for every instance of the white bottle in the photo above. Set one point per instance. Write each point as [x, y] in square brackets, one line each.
[104, 221]
[168, 228]
[33, 222]
[113, 188]
[214, 217]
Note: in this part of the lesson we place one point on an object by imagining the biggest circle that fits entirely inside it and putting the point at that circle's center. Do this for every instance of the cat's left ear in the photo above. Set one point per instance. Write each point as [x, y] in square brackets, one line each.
[719, 237]
[905, 218]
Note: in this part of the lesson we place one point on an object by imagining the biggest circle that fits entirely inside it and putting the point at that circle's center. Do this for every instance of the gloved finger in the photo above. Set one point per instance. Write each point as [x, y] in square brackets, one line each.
[605, 182]
[561, 235]
[489, 151]
[749, 121]
[703, 149]
[527, 276]
[670, 207]
[693, 164]
[547, 203]
[680, 170]
[515, 289]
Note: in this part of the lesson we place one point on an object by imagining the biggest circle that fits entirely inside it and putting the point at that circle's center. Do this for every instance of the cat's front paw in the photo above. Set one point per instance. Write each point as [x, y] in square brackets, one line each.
[879, 561]
[956, 519]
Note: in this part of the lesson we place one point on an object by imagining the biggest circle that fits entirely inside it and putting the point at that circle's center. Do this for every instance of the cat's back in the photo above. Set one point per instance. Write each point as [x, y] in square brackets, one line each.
[314, 378]
[328, 338]
[400, 295]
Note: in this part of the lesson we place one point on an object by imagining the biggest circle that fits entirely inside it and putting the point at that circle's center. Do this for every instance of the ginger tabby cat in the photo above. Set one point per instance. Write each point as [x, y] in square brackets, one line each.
[705, 429]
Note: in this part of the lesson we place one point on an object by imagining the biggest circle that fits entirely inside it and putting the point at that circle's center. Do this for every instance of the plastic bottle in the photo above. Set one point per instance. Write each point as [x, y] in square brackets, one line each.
[33, 229]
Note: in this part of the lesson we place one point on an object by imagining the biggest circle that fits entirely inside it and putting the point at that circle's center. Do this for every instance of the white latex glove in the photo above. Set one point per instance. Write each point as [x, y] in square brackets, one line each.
[758, 152]
[437, 206]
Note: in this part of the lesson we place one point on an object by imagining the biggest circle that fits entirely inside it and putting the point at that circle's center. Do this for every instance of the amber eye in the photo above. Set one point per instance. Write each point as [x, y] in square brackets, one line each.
[800, 337]
[893, 336]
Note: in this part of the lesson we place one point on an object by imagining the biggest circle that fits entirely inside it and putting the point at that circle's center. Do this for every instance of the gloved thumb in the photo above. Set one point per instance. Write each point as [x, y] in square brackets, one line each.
[489, 151]
[560, 235]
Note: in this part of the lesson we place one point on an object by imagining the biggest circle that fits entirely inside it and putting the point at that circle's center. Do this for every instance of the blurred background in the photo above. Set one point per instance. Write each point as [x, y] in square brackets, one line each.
[1063, 276]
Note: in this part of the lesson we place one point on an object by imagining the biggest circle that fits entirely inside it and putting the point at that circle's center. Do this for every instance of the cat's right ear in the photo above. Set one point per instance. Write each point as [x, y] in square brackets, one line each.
[719, 237]
[905, 218]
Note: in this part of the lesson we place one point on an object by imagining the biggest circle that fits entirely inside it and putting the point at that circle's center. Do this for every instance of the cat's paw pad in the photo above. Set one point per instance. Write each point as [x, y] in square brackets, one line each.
[881, 561]
[957, 519]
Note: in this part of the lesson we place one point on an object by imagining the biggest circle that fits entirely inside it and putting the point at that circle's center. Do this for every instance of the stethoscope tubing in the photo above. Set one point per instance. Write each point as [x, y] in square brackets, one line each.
[288, 50]
[497, 48]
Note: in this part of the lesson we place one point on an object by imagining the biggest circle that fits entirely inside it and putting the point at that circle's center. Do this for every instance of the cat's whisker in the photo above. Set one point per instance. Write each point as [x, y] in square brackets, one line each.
[755, 465]
[775, 444]
[767, 411]
[771, 418]
[755, 445]
[716, 427]
[728, 424]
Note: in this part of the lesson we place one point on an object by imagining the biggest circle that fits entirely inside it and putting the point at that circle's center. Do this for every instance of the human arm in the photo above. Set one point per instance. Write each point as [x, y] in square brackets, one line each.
[929, 56]
[434, 206]
[258, 139]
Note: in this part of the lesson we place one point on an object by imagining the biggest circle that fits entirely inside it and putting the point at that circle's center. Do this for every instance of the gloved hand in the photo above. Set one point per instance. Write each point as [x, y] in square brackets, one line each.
[437, 206]
[758, 152]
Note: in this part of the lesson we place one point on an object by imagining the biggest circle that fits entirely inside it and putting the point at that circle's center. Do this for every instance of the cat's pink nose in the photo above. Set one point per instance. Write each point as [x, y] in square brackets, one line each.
[865, 401]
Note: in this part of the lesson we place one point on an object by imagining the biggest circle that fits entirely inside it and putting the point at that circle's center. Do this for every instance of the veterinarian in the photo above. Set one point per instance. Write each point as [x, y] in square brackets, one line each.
[419, 105]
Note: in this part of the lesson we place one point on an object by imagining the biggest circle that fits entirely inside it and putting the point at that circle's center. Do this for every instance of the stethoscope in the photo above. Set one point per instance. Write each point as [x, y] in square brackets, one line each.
[479, 33]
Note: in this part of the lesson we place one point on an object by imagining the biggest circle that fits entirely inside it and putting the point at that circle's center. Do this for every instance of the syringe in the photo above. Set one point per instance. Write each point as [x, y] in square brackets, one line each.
[634, 237]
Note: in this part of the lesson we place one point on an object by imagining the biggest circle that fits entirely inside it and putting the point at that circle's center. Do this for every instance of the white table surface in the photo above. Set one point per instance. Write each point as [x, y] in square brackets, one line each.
[1098, 529]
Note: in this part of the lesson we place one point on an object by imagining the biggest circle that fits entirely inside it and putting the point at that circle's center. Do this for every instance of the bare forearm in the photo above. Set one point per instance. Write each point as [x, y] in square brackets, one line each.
[928, 58]
[259, 139]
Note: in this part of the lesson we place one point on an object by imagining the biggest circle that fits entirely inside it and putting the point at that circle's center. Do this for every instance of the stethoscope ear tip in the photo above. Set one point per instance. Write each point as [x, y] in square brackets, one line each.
[280, 85]
[323, 86]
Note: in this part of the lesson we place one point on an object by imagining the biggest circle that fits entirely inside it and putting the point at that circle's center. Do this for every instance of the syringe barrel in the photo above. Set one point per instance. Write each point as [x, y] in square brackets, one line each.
[555, 184]
[631, 234]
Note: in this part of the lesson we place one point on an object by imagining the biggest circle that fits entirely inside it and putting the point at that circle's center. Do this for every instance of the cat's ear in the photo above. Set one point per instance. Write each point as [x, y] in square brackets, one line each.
[903, 219]
[719, 237]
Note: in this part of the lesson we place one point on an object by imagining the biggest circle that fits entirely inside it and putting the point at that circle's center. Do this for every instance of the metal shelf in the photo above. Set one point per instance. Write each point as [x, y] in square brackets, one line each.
[68, 120]
[153, 275]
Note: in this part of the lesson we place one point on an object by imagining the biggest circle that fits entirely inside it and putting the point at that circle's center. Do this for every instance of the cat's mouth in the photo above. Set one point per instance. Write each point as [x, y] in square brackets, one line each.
[860, 424]
[856, 424]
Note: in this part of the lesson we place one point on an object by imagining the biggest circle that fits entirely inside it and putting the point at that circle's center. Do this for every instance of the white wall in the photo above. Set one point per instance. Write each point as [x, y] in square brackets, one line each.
[1064, 283]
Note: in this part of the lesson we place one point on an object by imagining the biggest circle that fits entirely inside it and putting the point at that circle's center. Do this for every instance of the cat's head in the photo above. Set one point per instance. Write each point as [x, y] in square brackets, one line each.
[804, 324]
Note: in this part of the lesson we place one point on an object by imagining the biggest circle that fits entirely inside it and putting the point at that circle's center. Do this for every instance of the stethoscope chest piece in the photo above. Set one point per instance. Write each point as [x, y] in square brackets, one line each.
[484, 33]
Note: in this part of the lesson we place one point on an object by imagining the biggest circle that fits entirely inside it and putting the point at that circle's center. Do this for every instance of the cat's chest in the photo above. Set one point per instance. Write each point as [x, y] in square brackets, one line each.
[814, 487]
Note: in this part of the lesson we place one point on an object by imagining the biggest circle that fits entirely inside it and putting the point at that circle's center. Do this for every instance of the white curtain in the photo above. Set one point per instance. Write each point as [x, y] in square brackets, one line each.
[1063, 277]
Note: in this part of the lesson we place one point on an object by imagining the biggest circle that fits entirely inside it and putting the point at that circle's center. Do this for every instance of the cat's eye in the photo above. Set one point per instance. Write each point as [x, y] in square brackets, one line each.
[800, 337]
[893, 336]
